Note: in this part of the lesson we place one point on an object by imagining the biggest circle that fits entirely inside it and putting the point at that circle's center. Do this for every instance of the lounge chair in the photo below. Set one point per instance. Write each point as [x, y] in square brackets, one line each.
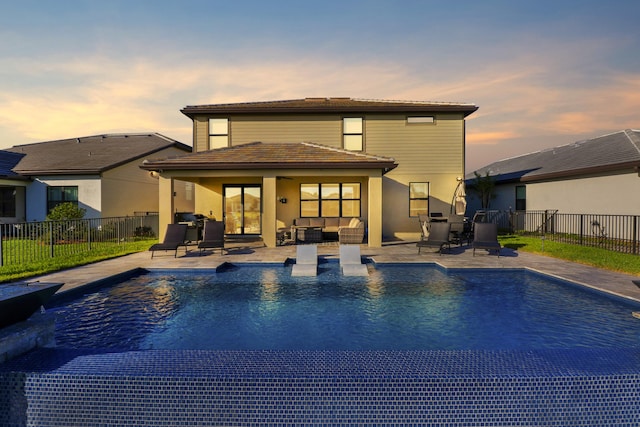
[438, 236]
[469, 230]
[173, 239]
[306, 261]
[213, 236]
[485, 236]
[351, 261]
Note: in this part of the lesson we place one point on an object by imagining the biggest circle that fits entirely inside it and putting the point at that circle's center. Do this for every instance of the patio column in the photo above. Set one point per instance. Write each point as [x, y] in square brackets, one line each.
[165, 205]
[374, 223]
[269, 201]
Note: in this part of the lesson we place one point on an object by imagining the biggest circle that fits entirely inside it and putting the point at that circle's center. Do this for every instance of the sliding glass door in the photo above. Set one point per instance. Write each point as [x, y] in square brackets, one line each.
[242, 209]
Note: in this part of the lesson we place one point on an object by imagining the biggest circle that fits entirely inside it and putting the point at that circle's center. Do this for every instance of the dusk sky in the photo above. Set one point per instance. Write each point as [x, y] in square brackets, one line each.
[544, 73]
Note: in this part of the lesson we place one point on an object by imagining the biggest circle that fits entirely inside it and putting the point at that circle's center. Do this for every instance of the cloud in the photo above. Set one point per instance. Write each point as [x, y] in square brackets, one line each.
[519, 96]
[478, 138]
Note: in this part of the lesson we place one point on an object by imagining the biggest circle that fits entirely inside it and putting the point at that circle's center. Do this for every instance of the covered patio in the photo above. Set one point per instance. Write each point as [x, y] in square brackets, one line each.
[258, 189]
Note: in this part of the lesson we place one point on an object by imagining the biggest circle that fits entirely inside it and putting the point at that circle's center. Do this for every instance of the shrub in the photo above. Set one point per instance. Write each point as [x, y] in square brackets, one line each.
[65, 211]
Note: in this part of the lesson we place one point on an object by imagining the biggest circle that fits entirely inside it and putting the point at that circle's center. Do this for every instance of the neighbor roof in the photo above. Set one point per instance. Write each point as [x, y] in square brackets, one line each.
[89, 154]
[8, 161]
[330, 105]
[284, 155]
[616, 151]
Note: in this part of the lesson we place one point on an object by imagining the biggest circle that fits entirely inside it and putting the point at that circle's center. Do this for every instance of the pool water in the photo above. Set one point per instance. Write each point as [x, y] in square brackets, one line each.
[398, 307]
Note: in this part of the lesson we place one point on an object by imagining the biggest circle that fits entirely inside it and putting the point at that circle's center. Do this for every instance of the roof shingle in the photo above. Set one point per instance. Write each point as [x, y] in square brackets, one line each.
[285, 155]
[615, 151]
[329, 105]
[88, 155]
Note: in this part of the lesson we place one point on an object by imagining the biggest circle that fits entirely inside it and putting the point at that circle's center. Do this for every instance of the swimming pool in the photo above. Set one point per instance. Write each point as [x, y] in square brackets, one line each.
[553, 387]
[398, 307]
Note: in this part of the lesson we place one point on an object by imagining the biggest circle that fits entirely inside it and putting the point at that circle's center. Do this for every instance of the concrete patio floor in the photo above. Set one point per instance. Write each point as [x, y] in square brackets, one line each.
[391, 252]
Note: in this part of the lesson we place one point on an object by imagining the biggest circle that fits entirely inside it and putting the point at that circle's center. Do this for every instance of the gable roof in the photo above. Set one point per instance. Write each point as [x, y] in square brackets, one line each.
[616, 151]
[283, 155]
[329, 105]
[89, 154]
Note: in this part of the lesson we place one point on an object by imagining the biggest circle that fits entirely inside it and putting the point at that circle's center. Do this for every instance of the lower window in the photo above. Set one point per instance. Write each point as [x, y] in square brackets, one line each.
[418, 198]
[61, 194]
[7, 201]
[330, 200]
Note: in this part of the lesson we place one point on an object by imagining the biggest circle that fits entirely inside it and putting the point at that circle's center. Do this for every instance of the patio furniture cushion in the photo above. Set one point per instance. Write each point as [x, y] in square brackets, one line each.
[331, 225]
[302, 222]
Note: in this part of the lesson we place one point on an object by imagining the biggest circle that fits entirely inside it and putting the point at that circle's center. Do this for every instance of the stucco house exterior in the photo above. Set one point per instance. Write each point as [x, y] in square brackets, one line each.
[100, 173]
[260, 165]
[599, 175]
[13, 188]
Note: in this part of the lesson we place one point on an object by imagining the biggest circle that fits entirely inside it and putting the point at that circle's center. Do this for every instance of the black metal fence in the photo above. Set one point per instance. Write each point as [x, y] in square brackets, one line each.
[32, 241]
[620, 233]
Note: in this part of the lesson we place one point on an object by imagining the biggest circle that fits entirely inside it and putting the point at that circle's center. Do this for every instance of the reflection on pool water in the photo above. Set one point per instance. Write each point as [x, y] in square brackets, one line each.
[398, 307]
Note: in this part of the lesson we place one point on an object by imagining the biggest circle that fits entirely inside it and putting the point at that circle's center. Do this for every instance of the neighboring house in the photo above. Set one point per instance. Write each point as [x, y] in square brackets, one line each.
[12, 189]
[599, 175]
[100, 173]
[260, 165]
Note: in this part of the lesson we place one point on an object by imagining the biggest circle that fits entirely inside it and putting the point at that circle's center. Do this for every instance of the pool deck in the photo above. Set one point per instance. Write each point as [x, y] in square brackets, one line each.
[392, 252]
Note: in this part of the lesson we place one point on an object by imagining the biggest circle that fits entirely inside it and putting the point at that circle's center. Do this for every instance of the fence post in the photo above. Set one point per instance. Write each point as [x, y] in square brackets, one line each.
[581, 228]
[89, 234]
[635, 235]
[1, 244]
[51, 238]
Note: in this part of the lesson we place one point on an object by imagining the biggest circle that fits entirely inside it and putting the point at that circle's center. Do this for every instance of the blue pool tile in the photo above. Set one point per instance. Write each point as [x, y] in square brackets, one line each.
[439, 388]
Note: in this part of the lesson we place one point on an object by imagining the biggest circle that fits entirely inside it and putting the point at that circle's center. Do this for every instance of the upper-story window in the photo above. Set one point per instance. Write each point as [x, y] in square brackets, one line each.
[352, 138]
[218, 133]
[521, 198]
[413, 120]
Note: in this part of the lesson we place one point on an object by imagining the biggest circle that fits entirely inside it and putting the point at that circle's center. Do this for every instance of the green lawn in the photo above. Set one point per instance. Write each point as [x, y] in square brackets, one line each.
[38, 264]
[597, 257]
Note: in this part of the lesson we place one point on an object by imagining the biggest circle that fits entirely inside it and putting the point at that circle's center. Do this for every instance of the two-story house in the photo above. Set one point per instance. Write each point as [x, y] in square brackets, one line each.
[260, 165]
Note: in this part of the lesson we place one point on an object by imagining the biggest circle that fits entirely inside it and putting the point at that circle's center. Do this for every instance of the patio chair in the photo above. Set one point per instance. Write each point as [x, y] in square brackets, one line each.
[457, 229]
[486, 237]
[306, 261]
[438, 237]
[469, 229]
[173, 239]
[213, 236]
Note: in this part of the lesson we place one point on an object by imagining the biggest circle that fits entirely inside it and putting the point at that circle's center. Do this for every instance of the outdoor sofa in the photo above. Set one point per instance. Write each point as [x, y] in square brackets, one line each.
[348, 230]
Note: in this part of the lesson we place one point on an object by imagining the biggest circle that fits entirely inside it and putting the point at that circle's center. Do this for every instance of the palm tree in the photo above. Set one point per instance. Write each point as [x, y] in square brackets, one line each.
[484, 186]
